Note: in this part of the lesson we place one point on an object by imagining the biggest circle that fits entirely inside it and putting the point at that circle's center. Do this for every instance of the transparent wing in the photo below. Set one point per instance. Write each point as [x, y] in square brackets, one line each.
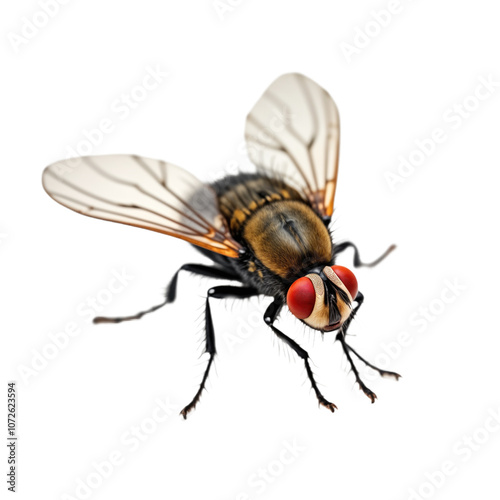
[142, 192]
[293, 132]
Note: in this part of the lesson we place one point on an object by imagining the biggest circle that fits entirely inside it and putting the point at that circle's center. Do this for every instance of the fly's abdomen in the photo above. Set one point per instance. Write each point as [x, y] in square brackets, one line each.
[240, 196]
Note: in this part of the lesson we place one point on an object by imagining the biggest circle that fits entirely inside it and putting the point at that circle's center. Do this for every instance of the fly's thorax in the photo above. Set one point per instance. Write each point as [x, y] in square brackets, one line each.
[288, 237]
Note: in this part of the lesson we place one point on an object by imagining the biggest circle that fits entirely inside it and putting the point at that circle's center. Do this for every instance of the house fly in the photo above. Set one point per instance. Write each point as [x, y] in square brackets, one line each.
[267, 230]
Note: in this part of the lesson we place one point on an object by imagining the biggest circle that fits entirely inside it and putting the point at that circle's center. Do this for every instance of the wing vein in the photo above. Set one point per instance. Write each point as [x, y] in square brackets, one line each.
[282, 147]
[139, 188]
[314, 135]
[164, 185]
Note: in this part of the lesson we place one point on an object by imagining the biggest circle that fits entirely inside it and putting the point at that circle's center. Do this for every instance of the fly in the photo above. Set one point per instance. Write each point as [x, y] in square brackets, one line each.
[267, 230]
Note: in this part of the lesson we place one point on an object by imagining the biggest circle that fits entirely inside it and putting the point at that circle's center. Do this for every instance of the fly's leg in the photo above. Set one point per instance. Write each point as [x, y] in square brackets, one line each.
[218, 292]
[383, 373]
[270, 317]
[211, 272]
[357, 261]
[348, 349]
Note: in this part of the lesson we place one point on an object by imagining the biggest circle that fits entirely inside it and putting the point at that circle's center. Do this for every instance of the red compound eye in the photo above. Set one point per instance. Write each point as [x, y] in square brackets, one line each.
[347, 277]
[301, 298]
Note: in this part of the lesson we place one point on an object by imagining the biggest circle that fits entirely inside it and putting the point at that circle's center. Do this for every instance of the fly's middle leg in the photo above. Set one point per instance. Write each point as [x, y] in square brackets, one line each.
[357, 261]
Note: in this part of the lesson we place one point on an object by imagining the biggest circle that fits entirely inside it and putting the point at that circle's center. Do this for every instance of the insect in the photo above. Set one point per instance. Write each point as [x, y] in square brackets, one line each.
[267, 230]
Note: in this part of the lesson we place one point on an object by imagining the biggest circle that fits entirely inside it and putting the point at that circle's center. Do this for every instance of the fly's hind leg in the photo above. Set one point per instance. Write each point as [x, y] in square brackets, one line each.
[270, 317]
[210, 272]
[218, 292]
[383, 373]
[348, 349]
[357, 261]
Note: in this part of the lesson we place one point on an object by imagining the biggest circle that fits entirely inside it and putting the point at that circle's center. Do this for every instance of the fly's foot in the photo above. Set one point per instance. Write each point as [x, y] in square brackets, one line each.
[187, 409]
[369, 393]
[385, 373]
[327, 404]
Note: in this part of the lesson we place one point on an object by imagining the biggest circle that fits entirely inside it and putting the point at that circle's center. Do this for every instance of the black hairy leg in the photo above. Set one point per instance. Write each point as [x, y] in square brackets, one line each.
[218, 292]
[269, 317]
[348, 349]
[208, 271]
[357, 261]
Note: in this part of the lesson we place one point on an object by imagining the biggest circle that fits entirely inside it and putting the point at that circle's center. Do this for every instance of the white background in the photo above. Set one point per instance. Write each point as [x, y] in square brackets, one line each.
[78, 408]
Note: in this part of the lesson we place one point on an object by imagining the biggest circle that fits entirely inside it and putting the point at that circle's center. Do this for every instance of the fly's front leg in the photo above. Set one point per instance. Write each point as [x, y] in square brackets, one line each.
[348, 349]
[269, 317]
[357, 261]
[218, 292]
[208, 271]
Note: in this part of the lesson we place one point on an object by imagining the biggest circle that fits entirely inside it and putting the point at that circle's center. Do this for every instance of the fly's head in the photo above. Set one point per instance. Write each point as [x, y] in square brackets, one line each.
[323, 299]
